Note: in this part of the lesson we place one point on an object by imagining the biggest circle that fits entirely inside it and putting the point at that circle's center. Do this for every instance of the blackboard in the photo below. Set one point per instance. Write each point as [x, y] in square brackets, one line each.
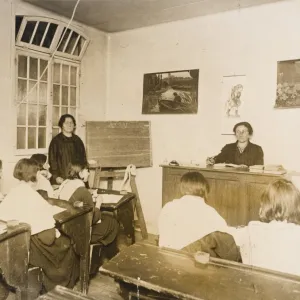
[116, 144]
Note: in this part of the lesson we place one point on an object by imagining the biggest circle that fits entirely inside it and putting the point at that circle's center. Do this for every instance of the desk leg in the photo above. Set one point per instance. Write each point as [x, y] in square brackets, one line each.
[84, 272]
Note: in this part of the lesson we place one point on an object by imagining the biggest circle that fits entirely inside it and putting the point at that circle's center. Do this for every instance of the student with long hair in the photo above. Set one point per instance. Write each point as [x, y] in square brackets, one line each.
[49, 250]
[105, 228]
[274, 241]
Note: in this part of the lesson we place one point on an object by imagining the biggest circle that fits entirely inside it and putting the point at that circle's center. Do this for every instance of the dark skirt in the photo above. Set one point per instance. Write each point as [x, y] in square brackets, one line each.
[106, 231]
[57, 259]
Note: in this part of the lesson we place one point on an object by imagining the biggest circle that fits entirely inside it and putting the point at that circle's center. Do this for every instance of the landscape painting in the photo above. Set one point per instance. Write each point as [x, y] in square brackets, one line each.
[174, 92]
[288, 84]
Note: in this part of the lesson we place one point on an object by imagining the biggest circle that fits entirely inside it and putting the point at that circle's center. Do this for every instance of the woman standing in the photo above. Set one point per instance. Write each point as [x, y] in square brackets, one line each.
[242, 152]
[66, 147]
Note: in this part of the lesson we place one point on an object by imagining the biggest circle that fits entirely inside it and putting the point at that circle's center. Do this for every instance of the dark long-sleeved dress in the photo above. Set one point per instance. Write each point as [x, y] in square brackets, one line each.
[62, 151]
[252, 155]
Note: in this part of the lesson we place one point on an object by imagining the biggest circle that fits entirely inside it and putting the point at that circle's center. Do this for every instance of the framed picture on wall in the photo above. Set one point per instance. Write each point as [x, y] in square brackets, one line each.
[173, 92]
[288, 84]
[232, 101]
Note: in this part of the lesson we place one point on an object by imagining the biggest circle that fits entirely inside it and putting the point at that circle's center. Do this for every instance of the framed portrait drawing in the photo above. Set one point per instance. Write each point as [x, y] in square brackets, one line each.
[232, 101]
[288, 84]
[174, 92]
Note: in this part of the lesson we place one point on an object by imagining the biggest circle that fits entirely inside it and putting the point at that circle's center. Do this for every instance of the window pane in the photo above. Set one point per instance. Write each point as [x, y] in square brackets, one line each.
[73, 96]
[43, 93]
[72, 111]
[39, 33]
[33, 68]
[49, 35]
[41, 137]
[64, 95]
[55, 131]
[65, 74]
[22, 66]
[22, 89]
[55, 115]
[32, 92]
[56, 73]
[32, 114]
[28, 31]
[19, 20]
[21, 135]
[56, 94]
[21, 119]
[63, 39]
[42, 115]
[43, 66]
[32, 138]
[73, 75]
[79, 46]
[72, 42]
[64, 110]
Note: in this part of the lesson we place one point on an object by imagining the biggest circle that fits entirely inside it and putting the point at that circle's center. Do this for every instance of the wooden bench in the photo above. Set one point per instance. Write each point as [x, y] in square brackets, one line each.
[62, 293]
[149, 271]
[14, 250]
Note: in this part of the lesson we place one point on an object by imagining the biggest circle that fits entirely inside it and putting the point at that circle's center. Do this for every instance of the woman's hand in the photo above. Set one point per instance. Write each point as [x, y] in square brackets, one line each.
[59, 180]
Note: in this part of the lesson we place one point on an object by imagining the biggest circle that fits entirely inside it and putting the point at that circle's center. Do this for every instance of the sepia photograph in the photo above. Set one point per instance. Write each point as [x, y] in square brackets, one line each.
[173, 92]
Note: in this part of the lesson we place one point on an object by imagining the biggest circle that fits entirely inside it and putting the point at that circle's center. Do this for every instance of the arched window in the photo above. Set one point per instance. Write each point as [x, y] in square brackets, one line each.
[48, 56]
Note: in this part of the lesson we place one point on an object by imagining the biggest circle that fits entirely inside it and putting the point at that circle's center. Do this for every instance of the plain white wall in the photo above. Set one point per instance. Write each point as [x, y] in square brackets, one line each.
[92, 89]
[248, 41]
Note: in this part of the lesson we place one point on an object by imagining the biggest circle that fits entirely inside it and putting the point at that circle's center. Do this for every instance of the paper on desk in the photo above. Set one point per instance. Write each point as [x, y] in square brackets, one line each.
[111, 198]
[225, 165]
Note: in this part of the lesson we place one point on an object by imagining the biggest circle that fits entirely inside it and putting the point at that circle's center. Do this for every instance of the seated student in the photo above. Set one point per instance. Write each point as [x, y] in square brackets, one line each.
[105, 228]
[273, 242]
[49, 250]
[43, 175]
[188, 219]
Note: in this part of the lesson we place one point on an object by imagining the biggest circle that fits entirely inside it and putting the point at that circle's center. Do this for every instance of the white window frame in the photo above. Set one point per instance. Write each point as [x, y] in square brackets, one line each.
[30, 50]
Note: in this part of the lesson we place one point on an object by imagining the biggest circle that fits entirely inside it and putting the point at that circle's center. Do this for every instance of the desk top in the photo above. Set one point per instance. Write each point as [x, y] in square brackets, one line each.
[229, 170]
[176, 273]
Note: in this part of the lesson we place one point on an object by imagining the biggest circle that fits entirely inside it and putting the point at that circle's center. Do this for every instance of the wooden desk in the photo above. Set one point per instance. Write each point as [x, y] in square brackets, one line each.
[123, 212]
[235, 194]
[14, 253]
[176, 275]
[77, 226]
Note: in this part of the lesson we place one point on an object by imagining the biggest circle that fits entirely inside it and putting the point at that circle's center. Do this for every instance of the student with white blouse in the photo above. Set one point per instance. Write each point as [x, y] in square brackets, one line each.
[188, 219]
[274, 241]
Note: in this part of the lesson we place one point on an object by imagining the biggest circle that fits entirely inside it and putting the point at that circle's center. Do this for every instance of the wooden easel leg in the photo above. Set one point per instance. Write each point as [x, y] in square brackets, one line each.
[139, 210]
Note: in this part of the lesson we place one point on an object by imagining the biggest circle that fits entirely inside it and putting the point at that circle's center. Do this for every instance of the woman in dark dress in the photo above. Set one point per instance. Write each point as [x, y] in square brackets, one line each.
[242, 152]
[64, 148]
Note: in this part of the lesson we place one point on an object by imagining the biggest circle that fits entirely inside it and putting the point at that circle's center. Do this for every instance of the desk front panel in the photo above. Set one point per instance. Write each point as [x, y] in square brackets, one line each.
[235, 195]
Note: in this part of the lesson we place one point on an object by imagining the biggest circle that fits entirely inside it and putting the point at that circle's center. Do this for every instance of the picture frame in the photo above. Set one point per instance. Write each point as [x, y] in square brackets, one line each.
[288, 84]
[172, 92]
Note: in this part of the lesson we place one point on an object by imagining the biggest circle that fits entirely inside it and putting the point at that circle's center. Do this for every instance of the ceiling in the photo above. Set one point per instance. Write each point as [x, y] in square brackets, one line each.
[120, 15]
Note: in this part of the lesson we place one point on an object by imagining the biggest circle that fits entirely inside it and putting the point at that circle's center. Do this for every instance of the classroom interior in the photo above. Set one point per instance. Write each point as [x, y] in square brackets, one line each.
[240, 41]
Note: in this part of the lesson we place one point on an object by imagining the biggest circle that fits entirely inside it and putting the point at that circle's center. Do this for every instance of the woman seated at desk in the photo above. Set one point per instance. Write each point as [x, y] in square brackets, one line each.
[49, 250]
[105, 228]
[273, 242]
[242, 152]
